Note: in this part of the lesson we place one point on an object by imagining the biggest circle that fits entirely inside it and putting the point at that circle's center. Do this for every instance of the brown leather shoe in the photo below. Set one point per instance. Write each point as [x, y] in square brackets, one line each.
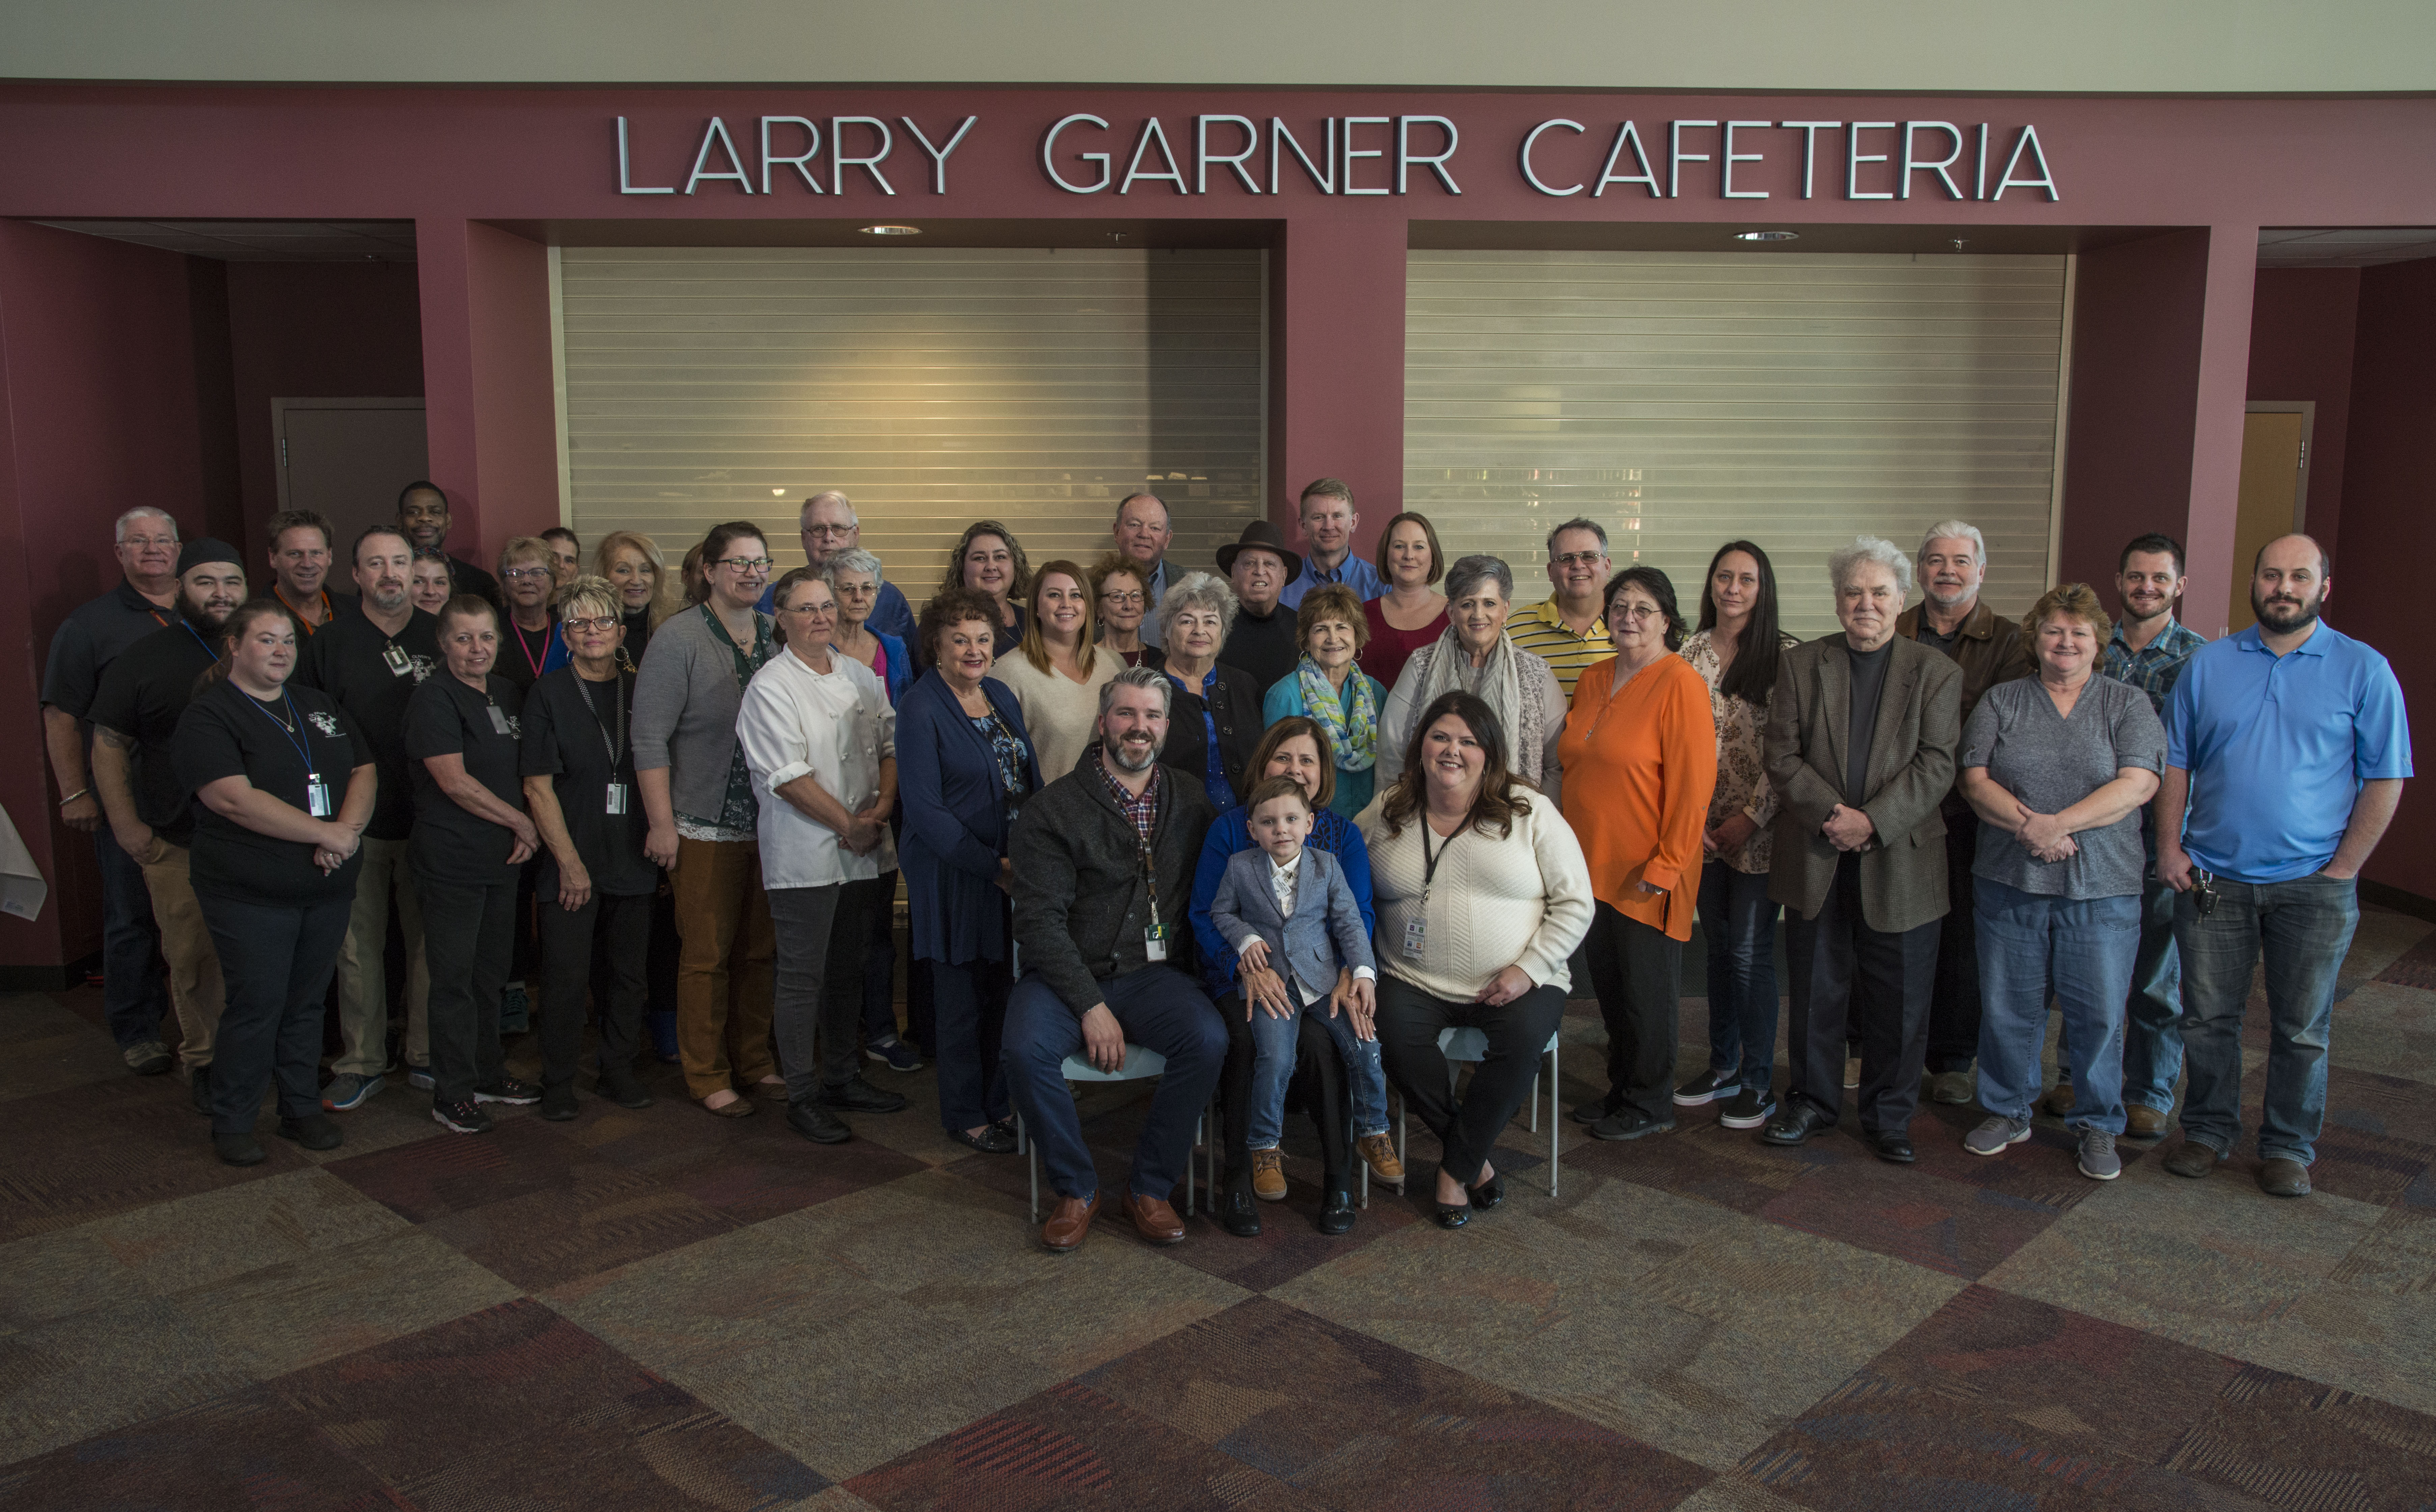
[2190, 1158]
[2058, 1101]
[1153, 1219]
[1268, 1175]
[2143, 1122]
[1067, 1223]
[1379, 1153]
[2284, 1177]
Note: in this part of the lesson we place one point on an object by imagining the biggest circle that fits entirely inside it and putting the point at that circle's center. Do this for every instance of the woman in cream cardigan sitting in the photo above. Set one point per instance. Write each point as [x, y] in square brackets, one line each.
[1482, 895]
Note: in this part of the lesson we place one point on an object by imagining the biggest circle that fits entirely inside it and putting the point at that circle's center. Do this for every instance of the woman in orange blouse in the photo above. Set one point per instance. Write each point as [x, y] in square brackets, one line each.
[1640, 758]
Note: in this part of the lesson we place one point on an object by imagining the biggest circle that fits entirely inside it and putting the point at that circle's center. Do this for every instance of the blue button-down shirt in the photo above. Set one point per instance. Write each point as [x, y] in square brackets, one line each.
[2277, 748]
[2154, 668]
[1353, 572]
[1153, 592]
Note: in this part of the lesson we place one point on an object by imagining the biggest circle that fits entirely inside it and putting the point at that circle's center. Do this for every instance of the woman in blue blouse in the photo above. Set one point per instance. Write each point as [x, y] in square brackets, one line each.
[963, 767]
[1344, 700]
[1294, 747]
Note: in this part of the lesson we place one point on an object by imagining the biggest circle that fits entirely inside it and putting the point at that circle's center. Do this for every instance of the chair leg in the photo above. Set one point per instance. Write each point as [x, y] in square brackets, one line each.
[1032, 1164]
[1534, 1102]
[1555, 1123]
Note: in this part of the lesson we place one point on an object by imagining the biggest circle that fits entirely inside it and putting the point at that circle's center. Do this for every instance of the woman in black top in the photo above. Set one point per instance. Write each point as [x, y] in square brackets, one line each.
[470, 838]
[283, 791]
[596, 883]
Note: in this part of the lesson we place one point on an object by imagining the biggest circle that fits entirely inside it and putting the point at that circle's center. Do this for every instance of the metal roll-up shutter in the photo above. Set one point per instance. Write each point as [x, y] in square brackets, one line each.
[1683, 400]
[935, 387]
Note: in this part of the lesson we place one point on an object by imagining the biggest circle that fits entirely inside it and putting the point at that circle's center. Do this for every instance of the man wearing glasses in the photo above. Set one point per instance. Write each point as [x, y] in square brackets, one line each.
[1566, 628]
[830, 526]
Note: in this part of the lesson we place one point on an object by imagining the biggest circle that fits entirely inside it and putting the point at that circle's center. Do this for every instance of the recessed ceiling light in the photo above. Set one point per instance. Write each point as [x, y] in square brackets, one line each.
[1768, 235]
[885, 229]
[778, 493]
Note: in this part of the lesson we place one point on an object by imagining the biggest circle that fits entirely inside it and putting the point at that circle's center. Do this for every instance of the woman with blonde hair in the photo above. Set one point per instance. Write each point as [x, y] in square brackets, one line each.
[648, 592]
[1055, 670]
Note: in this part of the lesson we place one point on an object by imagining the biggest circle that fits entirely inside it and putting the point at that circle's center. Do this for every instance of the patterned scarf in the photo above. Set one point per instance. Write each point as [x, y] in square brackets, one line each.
[1353, 732]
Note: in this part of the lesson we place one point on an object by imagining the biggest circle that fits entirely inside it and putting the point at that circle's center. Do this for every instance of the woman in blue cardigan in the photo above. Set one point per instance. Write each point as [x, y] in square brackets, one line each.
[963, 767]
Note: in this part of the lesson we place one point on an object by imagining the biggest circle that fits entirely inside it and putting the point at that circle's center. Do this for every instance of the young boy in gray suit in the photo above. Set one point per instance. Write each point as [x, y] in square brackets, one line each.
[1294, 924]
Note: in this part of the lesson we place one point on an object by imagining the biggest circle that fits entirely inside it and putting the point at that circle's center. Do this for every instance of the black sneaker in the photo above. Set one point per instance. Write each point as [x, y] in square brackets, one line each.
[622, 1088]
[199, 1090]
[314, 1131]
[1706, 1087]
[1627, 1125]
[147, 1058]
[462, 1118]
[558, 1103]
[817, 1123]
[858, 1096]
[1591, 1111]
[508, 1089]
[1747, 1109]
[237, 1149]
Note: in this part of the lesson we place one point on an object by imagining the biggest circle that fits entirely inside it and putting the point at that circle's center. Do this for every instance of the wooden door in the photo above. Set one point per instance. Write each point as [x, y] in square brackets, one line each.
[2274, 451]
[348, 458]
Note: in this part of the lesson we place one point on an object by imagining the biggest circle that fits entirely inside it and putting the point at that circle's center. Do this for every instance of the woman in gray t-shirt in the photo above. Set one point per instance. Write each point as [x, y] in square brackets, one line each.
[2056, 766]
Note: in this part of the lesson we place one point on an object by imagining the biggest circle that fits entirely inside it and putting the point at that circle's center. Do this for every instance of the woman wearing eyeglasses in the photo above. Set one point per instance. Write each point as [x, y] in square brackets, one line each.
[1123, 598]
[697, 793]
[529, 641]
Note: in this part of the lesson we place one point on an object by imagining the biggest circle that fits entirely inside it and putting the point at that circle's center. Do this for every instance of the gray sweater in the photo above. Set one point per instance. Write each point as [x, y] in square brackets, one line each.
[1081, 910]
[685, 701]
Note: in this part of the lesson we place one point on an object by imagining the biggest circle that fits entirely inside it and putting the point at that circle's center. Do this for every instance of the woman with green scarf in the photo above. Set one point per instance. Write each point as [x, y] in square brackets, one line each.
[1326, 685]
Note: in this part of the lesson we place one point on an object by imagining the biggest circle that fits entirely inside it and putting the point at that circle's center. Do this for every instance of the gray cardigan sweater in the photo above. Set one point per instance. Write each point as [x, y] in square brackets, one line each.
[686, 701]
[1080, 906]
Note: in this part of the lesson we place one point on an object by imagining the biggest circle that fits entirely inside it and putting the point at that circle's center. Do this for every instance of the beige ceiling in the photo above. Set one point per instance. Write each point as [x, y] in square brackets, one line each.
[2132, 47]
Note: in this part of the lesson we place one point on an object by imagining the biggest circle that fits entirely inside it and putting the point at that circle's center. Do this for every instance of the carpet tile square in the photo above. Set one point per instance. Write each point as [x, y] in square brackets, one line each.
[518, 1407]
[2386, 1028]
[104, 1148]
[594, 1217]
[1354, 1421]
[335, 1301]
[243, 1452]
[747, 1169]
[97, 1371]
[450, 1172]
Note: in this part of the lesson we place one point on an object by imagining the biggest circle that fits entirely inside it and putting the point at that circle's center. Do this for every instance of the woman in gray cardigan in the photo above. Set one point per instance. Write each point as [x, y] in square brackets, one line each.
[698, 797]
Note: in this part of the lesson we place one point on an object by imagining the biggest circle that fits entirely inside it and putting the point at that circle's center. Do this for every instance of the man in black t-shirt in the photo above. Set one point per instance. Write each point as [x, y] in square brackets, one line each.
[135, 713]
[423, 515]
[370, 659]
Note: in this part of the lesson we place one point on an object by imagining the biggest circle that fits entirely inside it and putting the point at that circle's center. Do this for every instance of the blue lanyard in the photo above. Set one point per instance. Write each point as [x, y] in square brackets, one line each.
[304, 747]
[189, 626]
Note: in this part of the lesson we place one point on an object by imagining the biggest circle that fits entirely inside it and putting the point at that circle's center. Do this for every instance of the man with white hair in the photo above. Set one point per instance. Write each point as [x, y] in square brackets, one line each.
[828, 525]
[1990, 650]
[1142, 534]
[135, 994]
[1861, 736]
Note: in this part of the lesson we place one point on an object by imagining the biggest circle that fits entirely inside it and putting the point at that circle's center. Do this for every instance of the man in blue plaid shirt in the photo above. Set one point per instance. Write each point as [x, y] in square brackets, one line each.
[2147, 650]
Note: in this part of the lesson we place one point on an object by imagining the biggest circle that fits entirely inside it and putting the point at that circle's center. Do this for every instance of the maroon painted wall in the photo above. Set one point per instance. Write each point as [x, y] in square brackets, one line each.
[2301, 329]
[2379, 583]
[98, 390]
[312, 331]
[492, 402]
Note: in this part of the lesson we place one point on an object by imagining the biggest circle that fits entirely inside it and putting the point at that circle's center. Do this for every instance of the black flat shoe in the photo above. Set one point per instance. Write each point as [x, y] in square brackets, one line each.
[1488, 1194]
[858, 1096]
[624, 1091]
[237, 1149]
[1890, 1146]
[1454, 1215]
[1795, 1124]
[991, 1140]
[1336, 1213]
[1239, 1213]
[817, 1123]
[314, 1131]
[1591, 1111]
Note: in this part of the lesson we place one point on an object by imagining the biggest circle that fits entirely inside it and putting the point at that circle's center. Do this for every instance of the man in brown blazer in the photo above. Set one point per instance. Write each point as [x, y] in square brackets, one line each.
[1954, 618]
[1861, 735]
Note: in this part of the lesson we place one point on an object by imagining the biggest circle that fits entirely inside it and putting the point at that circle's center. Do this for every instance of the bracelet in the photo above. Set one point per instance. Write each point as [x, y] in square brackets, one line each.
[74, 797]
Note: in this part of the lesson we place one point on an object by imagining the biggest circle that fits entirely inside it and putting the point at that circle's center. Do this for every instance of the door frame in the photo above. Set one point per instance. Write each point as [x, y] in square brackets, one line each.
[279, 409]
[2308, 411]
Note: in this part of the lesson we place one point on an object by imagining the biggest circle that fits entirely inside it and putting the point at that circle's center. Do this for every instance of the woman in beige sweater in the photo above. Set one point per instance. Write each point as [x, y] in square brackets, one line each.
[1482, 895]
[1055, 670]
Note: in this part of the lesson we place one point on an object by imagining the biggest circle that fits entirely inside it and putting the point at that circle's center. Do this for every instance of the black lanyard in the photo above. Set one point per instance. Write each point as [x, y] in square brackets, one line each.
[616, 743]
[1429, 863]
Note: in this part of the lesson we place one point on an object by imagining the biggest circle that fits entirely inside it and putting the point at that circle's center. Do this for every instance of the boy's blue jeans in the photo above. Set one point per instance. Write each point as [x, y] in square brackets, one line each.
[1273, 1066]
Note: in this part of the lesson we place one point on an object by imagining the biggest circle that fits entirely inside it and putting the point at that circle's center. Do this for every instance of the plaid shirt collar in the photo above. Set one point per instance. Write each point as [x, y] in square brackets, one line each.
[2153, 667]
[1142, 810]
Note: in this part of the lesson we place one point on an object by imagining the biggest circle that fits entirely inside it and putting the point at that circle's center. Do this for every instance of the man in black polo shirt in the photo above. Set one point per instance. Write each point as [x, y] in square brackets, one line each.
[422, 515]
[133, 994]
[136, 714]
[370, 660]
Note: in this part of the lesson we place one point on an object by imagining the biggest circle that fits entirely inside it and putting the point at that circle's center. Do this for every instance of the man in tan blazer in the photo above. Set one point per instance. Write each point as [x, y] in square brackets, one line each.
[1861, 735]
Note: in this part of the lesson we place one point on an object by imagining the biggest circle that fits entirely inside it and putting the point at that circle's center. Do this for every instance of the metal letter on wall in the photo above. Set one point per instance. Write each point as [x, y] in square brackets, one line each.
[1676, 157]
[1913, 161]
[801, 161]
[1202, 157]
[2027, 142]
[839, 162]
[1344, 163]
[716, 131]
[1728, 157]
[1150, 133]
[1279, 135]
[1406, 157]
[1809, 131]
[1854, 157]
[1647, 178]
[1049, 156]
[938, 154]
[626, 183]
[1530, 174]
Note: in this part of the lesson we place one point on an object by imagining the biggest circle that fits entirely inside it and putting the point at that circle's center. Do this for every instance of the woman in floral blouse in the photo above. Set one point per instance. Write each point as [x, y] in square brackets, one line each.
[1736, 653]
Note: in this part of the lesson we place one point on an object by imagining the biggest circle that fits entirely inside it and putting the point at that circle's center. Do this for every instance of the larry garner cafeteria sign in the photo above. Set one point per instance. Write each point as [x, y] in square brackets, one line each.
[1352, 155]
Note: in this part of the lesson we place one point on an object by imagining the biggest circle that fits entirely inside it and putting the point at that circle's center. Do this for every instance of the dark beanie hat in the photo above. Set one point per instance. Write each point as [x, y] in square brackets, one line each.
[206, 549]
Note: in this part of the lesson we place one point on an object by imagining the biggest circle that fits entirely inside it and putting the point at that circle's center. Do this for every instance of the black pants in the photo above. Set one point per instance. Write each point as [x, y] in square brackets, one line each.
[966, 1044]
[619, 928]
[1638, 974]
[277, 960]
[1847, 977]
[468, 930]
[1319, 1085]
[879, 965]
[823, 933]
[1409, 1024]
[1954, 1001]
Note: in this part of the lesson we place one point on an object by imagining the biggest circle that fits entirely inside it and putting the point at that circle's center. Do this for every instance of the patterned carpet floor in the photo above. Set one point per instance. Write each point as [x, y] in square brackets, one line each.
[663, 1309]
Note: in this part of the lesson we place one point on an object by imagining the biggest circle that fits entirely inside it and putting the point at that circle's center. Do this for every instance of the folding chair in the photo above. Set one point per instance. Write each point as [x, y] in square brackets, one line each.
[1140, 1065]
[1470, 1046]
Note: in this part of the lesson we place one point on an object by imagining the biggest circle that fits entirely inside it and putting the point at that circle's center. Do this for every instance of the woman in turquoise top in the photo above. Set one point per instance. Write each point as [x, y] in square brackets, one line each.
[1327, 686]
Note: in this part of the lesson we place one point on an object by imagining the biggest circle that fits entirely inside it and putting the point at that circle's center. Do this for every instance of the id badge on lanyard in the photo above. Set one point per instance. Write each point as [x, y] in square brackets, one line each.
[1416, 928]
[498, 719]
[616, 803]
[399, 663]
[1153, 938]
[317, 796]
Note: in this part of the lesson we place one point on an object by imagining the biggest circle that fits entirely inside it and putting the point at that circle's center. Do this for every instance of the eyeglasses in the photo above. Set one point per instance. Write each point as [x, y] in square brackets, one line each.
[1580, 559]
[1638, 611]
[824, 531]
[519, 574]
[746, 563]
[810, 609]
[586, 627]
[1125, 601]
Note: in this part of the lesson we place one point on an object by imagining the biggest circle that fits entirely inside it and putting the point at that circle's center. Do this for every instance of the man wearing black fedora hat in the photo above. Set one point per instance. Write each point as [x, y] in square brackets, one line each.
[1263, 641]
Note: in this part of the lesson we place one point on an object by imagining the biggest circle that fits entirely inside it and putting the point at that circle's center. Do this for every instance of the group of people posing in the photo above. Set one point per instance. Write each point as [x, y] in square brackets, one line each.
[1283, 824]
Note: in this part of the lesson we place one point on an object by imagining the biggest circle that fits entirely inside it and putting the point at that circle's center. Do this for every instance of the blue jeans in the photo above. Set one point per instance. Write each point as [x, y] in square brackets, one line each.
[2303, 928]
[1159, 1008]
[1740, 925]
[2083, 950]
[1274, 1052]
[2152, 1018]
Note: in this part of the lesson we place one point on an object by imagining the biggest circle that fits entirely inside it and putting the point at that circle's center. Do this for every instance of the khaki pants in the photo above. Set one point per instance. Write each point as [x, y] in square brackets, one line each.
[363, 964]
[725, 975]
[195, 986]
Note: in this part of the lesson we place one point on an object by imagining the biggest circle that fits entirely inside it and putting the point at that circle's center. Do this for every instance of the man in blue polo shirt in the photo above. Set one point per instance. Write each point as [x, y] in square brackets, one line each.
[2285, 750]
